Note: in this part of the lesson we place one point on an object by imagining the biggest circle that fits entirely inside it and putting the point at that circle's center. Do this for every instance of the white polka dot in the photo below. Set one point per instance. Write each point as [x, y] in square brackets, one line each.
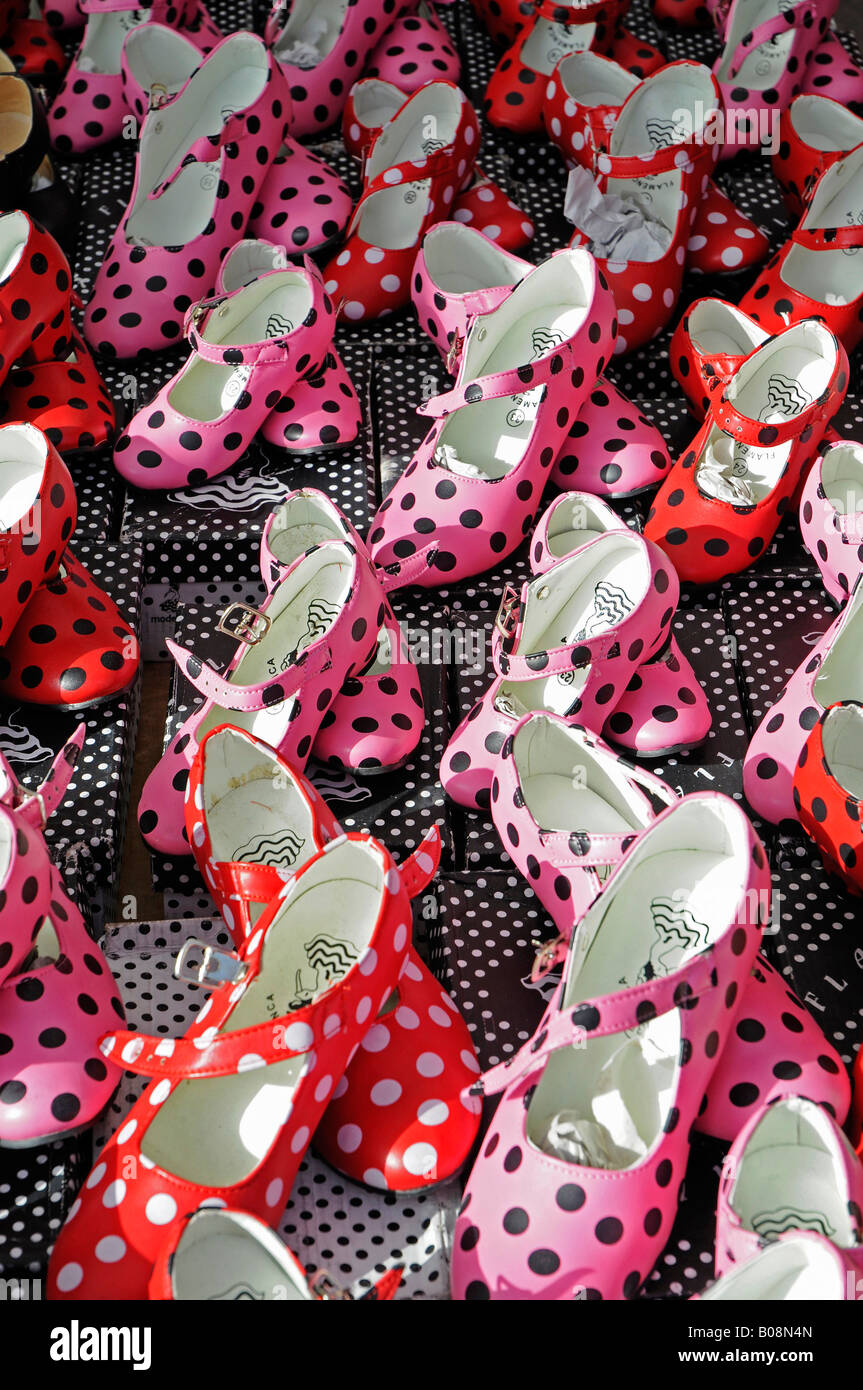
[250, 1061]
[438, 1016]
[680, 255]
[100, 1170]
[323, 1088]
[166, 1047]
[401, 936]
[343, 258]
[373, 1177]
[642, 292]
[355, 132]
[341, 1089]
[412, 972]
[376, 1039]
[331, 286]
[385, 1092]
[556, 127]
[421, 1160]
[69, 1277]
[160, 1209]
[114, 1193]
[472, 1104]
[198, 834]
[462, 215]
[349, 1138]
[406, 1018]
[492, 231]
[369, 962]
[717, 218]
[432, 1112]
[300, 1139]
[203, 1040]
[392, 881]
[577, 140]
[697, 243]
[364, 1008]
[469, 135]
[160, 1091]
[625, 316]
[332, 1024]
[352, 309]
[469, 1060]
[132, 1051]
[274, 1191]
[603, 164]
[298, 1037]
[668, 298]
[746, 232]
[429, 1064]
[483, 195]
[732, 255]
[110, 1249]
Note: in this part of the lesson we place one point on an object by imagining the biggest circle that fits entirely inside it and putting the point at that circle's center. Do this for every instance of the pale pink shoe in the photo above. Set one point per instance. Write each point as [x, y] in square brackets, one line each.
[472, 490]
[790, 1168]
[799, 1267]
[250, 348]
[313, 630]
[664, 708]
[831, 672]
[377, 718]
[576, 1188]
[567, 643]
[620, 453]
[202, 160]
[414, 50]
[831, 516]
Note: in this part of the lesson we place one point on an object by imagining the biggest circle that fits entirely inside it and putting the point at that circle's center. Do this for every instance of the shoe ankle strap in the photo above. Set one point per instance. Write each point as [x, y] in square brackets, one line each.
[513, 382]
[604, 1016]
[772, 28]
[309, 662]
[798, 427]
[829, 238]
[35, 807]
[552, 661]
[594, 10]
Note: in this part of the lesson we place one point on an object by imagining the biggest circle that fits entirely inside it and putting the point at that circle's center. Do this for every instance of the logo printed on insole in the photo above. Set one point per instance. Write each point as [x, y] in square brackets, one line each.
[320, 617]
[611, 604]
[238, 1293]
[277, 326]
[279, 848]
[770, 1225]
[543, 340]
[330, 958]
[664, 132]
[784, 396]
[676, 934]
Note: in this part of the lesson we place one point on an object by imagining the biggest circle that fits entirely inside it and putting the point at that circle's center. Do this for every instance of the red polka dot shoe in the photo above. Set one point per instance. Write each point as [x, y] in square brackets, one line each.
[589, 1144]
[833, 72]
[158, 62]
[585, 98]
[768, 48]
[815, 132]
[257, 1066]
[663, 709]
[709, 345]
[634, 54]
[57, 995]
[472, 490]
[249, 348]
[503, 18]
[411, 181]
[67, 400]
[35, 294]
[414, 50]
[814, 274]
[89, 109]
[396, 1121]
[322, 46]
[481, 204]
[376, 720]
[831, 516]
[201, 164]
[516, 91]
[688, 14]
[38, 517]
[33, 50]
[227, 1254]
[828, 790]
[315, 629]
[568, 644]
[790, 1168]
[720, 505]
[828, 676]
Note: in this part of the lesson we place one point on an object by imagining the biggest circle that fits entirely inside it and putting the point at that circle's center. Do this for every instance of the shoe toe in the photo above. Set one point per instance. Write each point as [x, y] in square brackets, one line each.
[467, 767]
[303, 204]
[161, 815]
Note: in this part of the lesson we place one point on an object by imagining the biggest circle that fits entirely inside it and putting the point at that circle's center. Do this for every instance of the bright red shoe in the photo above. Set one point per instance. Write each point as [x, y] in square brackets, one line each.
[814, 132]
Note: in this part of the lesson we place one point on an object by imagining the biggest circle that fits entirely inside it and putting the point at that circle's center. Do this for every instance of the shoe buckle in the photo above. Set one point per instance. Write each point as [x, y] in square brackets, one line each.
[547, 957]
[324, 1288]
[216, 967]
[245, 628]
[34, 801]
[454, 353]
[158, 95]
[508, 613]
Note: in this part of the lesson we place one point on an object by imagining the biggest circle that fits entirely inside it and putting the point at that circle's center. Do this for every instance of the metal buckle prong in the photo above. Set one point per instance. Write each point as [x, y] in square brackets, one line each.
[216, 967]
[246, 629]
[507, 615]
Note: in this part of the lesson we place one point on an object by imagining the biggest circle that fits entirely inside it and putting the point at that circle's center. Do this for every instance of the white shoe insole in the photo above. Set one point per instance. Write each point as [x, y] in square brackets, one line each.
[787, 1188]
[102, 49]
[841, 675]
[793, 1271]
[229, 1266]
[312, 31]
[557, 803]
[831, 277]
[764, 66]
[549, 42]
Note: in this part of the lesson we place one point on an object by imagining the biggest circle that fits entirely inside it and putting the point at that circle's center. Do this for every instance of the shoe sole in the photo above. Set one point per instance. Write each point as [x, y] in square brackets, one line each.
[660, 752]
[15, 1144]
[90, 704]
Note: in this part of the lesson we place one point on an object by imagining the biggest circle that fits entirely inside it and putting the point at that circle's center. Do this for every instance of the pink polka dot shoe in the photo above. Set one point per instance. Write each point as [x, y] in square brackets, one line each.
[472, 490]
[814, 274]
[377, 718]
[833, 72]
[831, 516]
[322, 46]
[709, 345]
[249, 348]
[720, 505]
[663, 709]
[411, 181]
[414, 50]
[62, 15]
[790, 1169]
[621, 452]
[567, 644]
[481, 203]
[815, 132]
[156, 62]
[257, 1066]
[769, 46]
[829, 675]
[314, 629]
[202, 160]
[828, 791]
[57, 995]
[576, 1187]
[798, 1267]
[224, 1253]
[516, 91]
[89, 107]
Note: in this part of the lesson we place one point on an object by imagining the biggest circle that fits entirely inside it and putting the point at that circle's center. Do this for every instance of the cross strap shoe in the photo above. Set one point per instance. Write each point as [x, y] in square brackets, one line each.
[257, 1066]
[663, 709]
[567, 643]
[202, 161]
[710, 344]
[377, 718]
[829, 674]
[588, 1146]
[471, 492]
[313, 630]
[831, 516]
[790, 1168]
[57, 994]
[814, 132]
[720, 505]
[828, 790]
[411, 182]
[224, 1254]
[815, 274]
